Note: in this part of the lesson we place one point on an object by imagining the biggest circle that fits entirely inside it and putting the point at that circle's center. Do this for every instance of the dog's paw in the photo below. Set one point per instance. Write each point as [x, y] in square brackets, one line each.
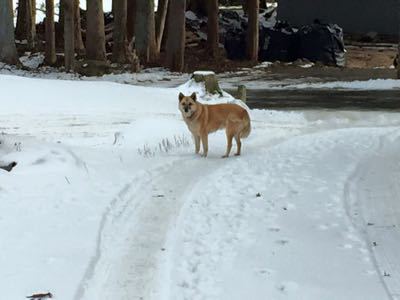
[237, 154]
[224, 156]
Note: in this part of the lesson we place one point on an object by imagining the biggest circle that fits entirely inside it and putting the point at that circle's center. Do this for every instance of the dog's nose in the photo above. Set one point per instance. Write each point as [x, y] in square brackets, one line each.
[186, 110]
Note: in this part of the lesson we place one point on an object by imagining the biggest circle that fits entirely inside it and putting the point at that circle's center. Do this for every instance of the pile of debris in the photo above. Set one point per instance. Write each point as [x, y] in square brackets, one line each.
[279, 41]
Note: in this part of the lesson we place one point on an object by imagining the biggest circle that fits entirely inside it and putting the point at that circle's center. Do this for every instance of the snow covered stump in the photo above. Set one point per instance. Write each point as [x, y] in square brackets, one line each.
[210, 81]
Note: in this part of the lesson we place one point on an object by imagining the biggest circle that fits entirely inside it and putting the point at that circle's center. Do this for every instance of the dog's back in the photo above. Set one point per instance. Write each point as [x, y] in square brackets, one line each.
[230, 116]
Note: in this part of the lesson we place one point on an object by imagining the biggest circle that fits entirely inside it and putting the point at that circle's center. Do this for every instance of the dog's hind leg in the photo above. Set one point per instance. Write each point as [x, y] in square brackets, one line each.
[204, 141]
[197, 143]
[238, 144]
[229, 137]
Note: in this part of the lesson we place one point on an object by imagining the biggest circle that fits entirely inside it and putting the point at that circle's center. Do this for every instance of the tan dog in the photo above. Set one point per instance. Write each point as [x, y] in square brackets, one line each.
[203, 119]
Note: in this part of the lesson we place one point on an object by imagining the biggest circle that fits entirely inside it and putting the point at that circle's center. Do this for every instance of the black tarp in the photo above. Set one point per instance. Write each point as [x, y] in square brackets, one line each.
[322, 43]
[280, 43]
[316, 42]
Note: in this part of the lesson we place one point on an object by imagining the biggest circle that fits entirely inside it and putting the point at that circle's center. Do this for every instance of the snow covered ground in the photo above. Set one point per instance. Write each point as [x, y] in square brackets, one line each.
[108, 200]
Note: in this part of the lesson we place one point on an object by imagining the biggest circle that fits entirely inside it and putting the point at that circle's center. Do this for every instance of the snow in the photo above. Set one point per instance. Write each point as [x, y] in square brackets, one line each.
[307, 66]
[191, 15]
[108, 200]
[204, 73]
[372, 84]
[306, 83]
[32, 61]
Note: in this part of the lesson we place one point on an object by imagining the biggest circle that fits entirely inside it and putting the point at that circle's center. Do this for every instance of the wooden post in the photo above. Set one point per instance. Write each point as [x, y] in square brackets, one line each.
[242, 93]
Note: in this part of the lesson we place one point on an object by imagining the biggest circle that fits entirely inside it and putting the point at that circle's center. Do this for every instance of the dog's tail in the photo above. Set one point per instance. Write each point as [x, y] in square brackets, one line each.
[247, 127]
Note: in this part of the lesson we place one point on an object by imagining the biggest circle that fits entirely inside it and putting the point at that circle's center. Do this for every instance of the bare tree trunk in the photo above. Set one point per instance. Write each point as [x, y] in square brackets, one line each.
[131, 16]
[34, 10]
[252, 30]
[114, 4]
[50, 50]
[21, 15]
[145, 30]
[176, 35]
[160, 22]
[212, 27]
[79, 46]
[153, 53]
[20, 30]
[31, 23]
[119, 33]
[8, 50]
[95, 35]
[398, 52]
[61, 14]
[69, 37]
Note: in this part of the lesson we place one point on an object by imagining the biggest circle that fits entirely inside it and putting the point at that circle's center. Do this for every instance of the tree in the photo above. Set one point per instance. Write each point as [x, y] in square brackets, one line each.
[61, 14]
[212, 27]
[30, 23]
[160, 22]
[8, 50]
[79, 46]
[26, 22]
[145, 36]
[119, 33]
[131, 16]
[20, 28]
[176, 35]
[69, 36]
[252, 30]
[398, 52]
[95, 34]
[50, 50]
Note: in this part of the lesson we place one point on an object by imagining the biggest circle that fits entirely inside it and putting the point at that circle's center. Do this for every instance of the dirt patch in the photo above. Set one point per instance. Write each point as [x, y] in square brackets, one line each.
[370, 57]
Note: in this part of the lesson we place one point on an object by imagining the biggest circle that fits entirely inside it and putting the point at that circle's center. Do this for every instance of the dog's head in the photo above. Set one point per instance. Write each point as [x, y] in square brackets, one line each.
[188, 105]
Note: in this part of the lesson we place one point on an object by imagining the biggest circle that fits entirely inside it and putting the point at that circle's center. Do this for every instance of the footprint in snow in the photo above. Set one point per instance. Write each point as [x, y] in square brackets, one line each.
[282, 242]
[274, 229]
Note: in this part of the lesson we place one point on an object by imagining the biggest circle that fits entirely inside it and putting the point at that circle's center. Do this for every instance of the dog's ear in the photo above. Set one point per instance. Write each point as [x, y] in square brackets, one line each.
[181, 96]
[193, 96]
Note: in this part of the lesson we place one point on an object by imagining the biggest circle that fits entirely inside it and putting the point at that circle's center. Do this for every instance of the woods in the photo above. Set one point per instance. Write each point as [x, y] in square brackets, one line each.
[158, 35]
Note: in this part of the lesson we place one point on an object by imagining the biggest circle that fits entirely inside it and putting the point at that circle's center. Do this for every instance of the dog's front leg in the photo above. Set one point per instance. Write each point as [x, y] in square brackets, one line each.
[197, 143]
[204, 141]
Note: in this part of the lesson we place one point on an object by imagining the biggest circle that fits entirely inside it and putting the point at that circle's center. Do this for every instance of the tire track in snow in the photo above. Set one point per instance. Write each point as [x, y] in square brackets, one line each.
[373, 204]
[133, 231]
